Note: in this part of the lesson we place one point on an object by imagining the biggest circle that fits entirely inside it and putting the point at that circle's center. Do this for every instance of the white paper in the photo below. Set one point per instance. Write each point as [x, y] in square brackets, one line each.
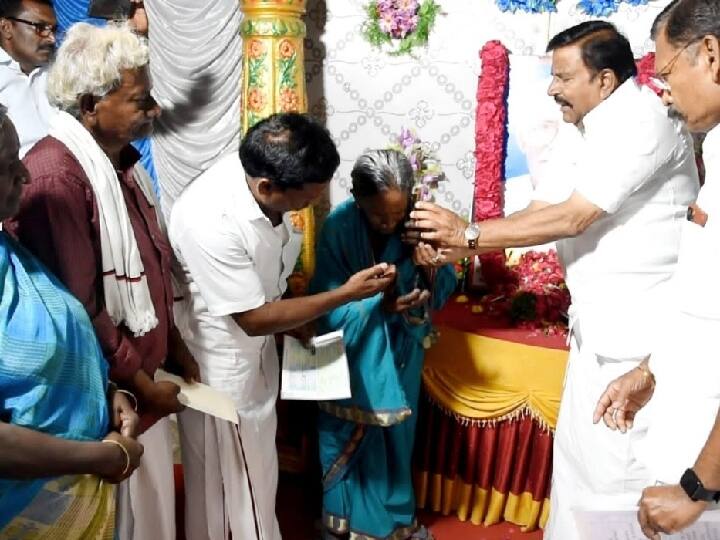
[202, 397]
[321, 376]
[623, 525]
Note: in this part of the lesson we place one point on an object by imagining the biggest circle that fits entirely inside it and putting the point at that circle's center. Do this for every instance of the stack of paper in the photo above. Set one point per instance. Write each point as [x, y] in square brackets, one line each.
[623, 525]
[319, 373]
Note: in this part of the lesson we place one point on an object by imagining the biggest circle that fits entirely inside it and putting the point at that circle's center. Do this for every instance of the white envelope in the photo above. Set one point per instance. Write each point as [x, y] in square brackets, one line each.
[202, 397]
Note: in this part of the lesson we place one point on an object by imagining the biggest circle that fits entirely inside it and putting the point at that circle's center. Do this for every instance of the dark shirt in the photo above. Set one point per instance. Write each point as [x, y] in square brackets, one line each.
[58, 222]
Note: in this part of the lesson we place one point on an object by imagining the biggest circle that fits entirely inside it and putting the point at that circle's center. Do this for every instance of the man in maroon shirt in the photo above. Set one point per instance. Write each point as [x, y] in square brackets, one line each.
[100, 82]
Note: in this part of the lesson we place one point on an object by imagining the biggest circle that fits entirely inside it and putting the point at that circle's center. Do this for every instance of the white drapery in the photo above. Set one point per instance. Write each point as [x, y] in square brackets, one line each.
[195, 62]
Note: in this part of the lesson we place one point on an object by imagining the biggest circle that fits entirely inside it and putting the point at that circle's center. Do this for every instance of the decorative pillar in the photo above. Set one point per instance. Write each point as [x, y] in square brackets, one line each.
[274, 81]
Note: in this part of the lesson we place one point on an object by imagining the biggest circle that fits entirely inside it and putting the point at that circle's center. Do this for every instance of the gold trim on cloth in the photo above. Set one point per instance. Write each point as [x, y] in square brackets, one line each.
[481, 380]
[342, 461]
[359, 416]
[340, 525]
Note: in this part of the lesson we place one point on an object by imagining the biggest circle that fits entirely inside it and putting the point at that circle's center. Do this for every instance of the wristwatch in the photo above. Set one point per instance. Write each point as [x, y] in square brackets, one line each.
[472, 233]
[694, 488]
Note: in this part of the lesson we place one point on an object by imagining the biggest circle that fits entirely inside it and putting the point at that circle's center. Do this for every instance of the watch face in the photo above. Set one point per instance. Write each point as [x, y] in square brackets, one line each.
[472, 231]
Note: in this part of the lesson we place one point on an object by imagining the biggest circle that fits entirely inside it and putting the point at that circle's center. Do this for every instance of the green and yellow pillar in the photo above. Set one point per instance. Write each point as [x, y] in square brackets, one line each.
[274, 81]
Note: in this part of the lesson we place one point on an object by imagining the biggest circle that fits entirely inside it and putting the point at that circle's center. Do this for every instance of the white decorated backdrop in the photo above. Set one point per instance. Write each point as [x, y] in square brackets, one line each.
[366, 96]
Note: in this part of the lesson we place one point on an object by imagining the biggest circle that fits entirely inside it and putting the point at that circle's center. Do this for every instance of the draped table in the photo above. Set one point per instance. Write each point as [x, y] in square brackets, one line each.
[486, 422]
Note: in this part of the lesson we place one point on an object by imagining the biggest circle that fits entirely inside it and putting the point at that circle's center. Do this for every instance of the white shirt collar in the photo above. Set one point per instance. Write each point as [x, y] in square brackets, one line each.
[10, 62]
[251, 207]
[6, 59]
[613, 108]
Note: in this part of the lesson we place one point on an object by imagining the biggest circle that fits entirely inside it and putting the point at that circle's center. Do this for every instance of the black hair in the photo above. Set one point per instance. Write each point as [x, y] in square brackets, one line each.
[380, 170]
[690, 20]
[290, 150]
[602, 47]
[12, 8]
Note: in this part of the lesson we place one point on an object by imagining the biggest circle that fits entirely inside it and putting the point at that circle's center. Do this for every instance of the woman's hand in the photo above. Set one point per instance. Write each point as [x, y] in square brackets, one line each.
[124, 418]
[398, 304]
[427, 256]
[118, 458]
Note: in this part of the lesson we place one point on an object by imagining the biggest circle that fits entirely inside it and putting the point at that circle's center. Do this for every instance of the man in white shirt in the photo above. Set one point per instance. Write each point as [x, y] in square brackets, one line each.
[683, 413]
[237, 244]
[27, 38]
[617, 221]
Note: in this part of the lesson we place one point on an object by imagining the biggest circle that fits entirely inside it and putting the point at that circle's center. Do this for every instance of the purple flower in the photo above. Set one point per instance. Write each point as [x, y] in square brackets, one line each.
[406, 138]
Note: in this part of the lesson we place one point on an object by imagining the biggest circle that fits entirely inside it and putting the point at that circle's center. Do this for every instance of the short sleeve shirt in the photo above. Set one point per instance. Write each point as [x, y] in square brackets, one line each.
[636, 164]
[232, 260]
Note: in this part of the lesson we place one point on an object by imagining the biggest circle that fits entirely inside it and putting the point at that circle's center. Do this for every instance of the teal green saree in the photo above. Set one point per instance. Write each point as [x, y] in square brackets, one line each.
[366, 442]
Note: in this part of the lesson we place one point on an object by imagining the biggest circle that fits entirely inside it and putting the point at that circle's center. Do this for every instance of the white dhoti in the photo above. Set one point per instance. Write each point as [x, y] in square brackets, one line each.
[231, 475]
[687, 395]
[146, 500]
[593, 467]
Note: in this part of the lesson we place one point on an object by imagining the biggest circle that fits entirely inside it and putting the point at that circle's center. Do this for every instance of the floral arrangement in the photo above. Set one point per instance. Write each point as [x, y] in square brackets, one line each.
[594, 8]
[530, 294]
[528, 6]
[604, 8]
[400, 25]
[541, 297]
[425, 164]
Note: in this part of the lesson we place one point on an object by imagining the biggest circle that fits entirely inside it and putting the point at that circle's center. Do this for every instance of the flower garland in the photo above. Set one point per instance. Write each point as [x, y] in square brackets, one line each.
[490, 147]
[425, 164]
[400, 25]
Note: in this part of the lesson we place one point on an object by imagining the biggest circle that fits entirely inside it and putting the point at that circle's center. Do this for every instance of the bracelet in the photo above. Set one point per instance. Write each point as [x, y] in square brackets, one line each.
[127, 454]
[131, 396]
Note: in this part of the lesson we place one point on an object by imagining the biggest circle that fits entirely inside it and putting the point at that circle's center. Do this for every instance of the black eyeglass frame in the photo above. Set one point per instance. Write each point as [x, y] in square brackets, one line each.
[41, 29]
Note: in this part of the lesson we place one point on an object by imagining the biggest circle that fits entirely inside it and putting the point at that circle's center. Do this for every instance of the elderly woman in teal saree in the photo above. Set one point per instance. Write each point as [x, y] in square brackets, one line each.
[366, 442]
[58, 455]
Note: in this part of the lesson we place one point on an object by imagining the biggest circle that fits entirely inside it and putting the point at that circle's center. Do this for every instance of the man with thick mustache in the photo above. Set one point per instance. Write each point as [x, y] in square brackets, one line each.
[27, 38]
[616, 218]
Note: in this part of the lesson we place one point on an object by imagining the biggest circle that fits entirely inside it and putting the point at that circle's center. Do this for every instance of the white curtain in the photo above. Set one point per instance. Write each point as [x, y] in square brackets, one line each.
[195, 62]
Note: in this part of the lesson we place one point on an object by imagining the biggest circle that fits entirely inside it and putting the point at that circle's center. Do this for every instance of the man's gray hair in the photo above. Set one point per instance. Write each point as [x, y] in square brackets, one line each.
[380, 170]
[91, 60]
[688, 21]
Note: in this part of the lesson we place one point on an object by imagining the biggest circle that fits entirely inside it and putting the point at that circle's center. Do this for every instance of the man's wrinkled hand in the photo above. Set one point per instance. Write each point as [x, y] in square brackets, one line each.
[667, 510]
[623, 398]
[436, 224]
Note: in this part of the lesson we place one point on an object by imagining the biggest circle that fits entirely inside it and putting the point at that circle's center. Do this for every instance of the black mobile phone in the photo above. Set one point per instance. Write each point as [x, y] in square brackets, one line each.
[110, 9]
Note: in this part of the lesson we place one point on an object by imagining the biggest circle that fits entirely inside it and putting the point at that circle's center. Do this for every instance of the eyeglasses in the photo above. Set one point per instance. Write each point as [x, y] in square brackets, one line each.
[660, 80]
[41, 29]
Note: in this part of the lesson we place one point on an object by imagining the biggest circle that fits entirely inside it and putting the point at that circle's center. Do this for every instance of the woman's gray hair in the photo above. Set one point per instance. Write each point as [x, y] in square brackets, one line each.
[380, 170]
[91, 60]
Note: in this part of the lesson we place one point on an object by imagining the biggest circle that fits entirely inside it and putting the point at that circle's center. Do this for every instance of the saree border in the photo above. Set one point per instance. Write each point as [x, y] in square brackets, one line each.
[382, 418]
[337, 468]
